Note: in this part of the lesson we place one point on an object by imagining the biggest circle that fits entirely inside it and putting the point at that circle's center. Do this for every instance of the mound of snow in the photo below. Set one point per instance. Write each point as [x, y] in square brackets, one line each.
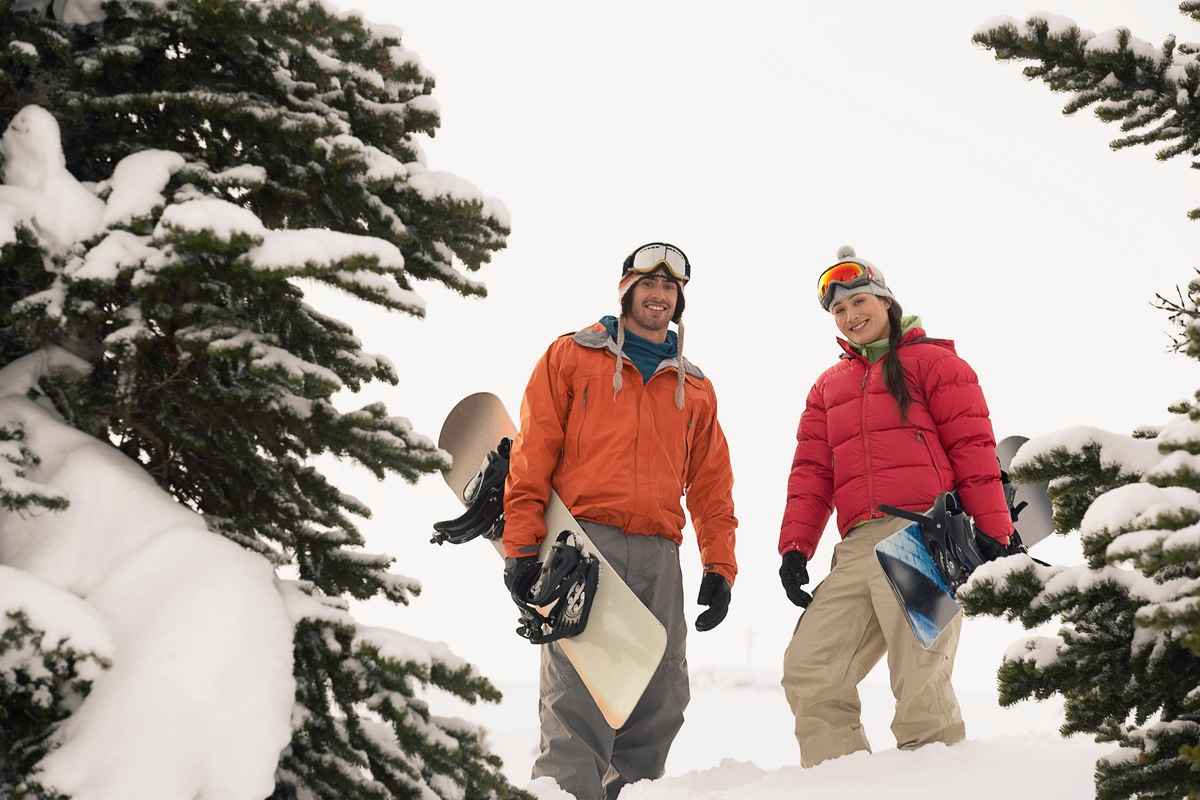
[198, 700]
[1044, 765]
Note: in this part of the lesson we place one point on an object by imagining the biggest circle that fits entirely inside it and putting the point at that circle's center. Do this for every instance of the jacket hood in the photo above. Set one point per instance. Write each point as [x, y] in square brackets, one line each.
[598, 337]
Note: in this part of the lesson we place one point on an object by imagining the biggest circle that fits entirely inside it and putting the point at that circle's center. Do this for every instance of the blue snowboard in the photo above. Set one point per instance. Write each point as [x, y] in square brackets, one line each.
[928, 601]
[920, 588]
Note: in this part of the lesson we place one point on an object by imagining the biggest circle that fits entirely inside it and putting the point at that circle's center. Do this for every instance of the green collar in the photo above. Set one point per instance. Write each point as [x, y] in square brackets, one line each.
[873, 351]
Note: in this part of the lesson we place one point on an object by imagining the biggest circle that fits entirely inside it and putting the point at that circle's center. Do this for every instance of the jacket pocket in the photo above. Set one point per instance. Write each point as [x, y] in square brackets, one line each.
[583, 411]
[933, 462]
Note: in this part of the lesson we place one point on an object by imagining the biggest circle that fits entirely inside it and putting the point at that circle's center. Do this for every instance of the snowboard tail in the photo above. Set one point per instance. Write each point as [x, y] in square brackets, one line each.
[619, 650]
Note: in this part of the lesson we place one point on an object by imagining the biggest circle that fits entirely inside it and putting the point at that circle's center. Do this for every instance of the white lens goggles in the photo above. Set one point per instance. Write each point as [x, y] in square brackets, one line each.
[649, 258]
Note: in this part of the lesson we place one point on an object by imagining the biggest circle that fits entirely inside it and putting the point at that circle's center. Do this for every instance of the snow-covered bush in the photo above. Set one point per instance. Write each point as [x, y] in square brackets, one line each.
[171, 615]
[51, 649]
[212, 154]
[1127, 660]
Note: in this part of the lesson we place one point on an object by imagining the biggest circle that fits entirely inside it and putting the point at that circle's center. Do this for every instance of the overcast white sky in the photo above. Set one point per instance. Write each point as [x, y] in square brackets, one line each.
[760, 140]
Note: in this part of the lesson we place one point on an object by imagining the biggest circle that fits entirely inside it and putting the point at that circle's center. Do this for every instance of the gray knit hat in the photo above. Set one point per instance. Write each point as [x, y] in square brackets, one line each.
[874, 284]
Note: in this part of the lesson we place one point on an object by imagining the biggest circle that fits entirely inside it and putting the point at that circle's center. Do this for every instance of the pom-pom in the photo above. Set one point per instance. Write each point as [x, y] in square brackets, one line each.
[845, 251]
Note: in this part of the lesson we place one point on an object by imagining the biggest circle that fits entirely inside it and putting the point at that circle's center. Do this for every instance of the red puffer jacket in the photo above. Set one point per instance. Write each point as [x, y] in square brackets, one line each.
[854, 453]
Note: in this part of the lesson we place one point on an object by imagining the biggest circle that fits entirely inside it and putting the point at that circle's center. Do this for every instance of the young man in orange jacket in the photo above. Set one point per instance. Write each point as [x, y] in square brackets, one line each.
[621, 425]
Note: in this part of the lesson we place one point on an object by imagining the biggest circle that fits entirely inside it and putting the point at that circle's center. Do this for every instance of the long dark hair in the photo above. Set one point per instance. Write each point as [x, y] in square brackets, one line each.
[893, 372]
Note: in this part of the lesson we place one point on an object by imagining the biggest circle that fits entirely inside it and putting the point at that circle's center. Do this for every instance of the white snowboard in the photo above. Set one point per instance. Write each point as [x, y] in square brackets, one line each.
[619, 650]
[1036, 520]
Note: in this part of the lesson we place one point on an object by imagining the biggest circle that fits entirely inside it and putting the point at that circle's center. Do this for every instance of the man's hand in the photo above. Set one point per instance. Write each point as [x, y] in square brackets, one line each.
[794, 574]
[520, 574]
[714, 593]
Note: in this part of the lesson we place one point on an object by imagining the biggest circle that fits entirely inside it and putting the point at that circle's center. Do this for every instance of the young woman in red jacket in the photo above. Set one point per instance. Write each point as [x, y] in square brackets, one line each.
[898, 420]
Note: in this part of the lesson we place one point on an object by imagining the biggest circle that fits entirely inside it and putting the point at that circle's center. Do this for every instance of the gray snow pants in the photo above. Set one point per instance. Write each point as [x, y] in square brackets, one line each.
[578, 749]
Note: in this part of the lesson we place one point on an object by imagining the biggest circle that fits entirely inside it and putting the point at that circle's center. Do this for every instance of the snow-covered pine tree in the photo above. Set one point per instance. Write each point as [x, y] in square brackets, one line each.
[1127, 660]
[229, 148]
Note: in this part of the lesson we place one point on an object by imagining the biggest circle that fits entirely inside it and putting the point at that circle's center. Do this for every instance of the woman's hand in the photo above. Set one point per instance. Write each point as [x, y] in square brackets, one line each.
[794, 574]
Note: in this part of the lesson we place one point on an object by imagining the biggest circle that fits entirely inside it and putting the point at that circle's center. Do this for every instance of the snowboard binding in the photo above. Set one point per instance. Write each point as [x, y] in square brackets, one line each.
[484, 496]
[949, 536]
[1010, 496]
[1015, 545]
[557, 604]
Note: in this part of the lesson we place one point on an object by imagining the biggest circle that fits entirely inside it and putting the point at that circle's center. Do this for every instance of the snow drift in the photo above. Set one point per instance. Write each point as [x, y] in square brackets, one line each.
[181, 613]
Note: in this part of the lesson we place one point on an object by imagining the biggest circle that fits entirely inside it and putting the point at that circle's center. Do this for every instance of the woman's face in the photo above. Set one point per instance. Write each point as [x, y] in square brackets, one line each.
[862, 318]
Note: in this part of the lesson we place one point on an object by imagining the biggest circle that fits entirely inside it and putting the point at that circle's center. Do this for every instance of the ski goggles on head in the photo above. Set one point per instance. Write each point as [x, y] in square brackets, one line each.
[847, 274]
[652, 257]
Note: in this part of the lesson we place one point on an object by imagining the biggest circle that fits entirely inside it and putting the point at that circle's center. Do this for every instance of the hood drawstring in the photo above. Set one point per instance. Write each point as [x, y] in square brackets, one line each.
[617, 380]
[679, 367]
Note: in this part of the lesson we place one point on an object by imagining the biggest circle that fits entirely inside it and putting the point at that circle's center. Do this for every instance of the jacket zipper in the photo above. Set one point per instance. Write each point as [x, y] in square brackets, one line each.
[687, 452]
[866, 443]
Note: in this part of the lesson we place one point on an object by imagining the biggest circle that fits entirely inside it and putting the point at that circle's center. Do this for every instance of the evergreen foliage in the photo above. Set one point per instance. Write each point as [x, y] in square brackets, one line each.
[1127, 660]
[40, 684]
[285, 135]
[1149, 91]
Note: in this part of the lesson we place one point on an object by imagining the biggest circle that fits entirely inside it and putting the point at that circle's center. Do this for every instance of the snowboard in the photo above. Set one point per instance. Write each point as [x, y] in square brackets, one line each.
[1035, 519]
[619, 650]
[920, 588]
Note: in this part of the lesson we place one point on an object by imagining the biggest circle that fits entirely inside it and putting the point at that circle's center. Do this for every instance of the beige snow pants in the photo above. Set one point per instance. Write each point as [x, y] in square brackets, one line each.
[578, 749]
[853, 620]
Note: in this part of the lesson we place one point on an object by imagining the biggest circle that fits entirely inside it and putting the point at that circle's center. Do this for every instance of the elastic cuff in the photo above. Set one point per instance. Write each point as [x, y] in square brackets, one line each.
[794, 547]
[726, 571]
[515, 550]
[1001, 540]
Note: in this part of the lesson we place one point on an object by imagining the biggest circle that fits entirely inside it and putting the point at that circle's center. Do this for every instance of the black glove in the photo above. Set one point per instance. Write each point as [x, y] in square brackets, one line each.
[520, 574]
[990, 549]
[1015, 546]
[714, 593]
[794, 574]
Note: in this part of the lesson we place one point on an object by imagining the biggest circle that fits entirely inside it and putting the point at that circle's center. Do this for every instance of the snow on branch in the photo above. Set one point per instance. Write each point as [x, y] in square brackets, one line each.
[213, 216]
[263, 355]
[17, 493]
[1116, 450]
[1133, 505]
[403, 648]
[118, 252]
[136, 186]
[444, 186]
[1041, 651]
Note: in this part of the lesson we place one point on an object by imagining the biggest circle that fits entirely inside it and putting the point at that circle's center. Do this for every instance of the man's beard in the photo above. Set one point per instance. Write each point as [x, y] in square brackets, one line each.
[650, 323]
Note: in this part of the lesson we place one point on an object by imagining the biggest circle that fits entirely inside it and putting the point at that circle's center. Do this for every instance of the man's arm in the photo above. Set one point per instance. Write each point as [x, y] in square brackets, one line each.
[535, 454]
[710, 497]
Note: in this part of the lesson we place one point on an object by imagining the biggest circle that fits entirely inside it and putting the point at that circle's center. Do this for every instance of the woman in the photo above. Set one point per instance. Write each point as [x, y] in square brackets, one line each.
[898, 420]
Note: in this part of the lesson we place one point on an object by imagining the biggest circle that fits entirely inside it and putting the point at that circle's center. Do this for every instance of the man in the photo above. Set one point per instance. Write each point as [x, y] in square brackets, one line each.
[620, 425]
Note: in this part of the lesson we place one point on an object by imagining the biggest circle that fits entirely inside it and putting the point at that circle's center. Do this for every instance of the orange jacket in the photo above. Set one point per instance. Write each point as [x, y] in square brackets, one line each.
[622, 459]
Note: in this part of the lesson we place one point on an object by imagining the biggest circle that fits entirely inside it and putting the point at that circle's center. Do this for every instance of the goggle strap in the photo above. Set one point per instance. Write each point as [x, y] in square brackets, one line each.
[862, 274]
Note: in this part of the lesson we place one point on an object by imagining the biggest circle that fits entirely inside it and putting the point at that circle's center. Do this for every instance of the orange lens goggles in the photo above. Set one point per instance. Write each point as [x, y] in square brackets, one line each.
[847, 273]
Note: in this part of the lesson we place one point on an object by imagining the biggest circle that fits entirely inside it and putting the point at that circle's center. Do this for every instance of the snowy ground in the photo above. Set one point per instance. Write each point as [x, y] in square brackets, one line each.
[737, 743]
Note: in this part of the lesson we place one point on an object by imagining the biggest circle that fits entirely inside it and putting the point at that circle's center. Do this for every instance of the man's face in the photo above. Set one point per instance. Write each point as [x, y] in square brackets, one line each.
[654, 300]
